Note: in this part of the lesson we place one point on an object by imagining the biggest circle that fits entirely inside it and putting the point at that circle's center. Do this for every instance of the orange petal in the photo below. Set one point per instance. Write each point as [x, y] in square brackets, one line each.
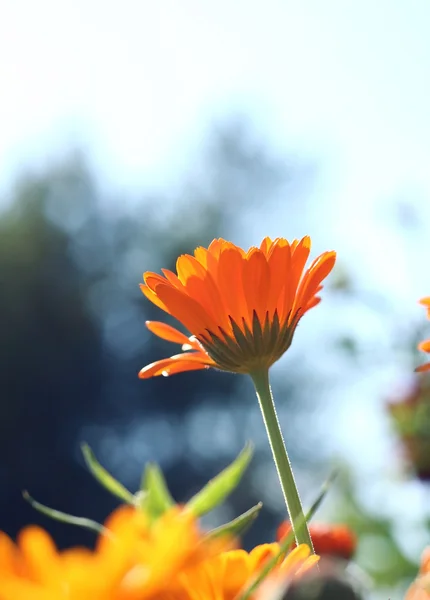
[215, 247]
[166, 332]
[201, 254]
[172, 278]
[317, 272]
[153, 279]
[423, 368]
[308, 564]
[206, 293]
[39, 553]
[14, 589]
[425, 561]
[313, 302]
[8, 553]
[230, 283]
[208, 259]
[234, 571]
[201, 286]
[295, 559]
[299, 256]
[265, 245]
[256, 284]
[280, 270]
[187, 310]
[176, 364]
[152, 296]
[425, 301]
[424, 346]
[187, 266]
[300, 249]
[261, 553]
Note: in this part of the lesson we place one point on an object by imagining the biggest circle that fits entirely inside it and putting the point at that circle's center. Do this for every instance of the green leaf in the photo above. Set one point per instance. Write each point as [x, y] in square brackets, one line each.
[285, 543]
[105, 478]
[154, 496]
[57, 515]
[238, 525]
[221, 486]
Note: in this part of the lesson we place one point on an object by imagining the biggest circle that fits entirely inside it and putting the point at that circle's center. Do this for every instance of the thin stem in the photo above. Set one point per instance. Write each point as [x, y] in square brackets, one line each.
[282, 462]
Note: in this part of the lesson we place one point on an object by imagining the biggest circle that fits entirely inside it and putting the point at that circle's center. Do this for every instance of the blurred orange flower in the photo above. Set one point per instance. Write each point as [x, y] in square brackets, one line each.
[242, 308]
[425, 346]
[420, 589]
[167, 560]
[135, 562]
[224, 576]
[328, 540]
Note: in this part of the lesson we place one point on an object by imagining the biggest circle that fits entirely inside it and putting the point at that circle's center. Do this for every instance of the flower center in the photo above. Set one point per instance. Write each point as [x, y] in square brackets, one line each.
[247, 350]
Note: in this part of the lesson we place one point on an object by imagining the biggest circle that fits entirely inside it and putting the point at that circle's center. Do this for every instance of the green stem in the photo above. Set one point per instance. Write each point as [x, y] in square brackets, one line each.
[282, 462]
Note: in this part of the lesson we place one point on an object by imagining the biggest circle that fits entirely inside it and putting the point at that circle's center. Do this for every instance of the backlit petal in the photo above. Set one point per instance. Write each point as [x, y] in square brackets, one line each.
[176, 364]
[319, 270]
[424, 346]
[187, 266]
[166, 332]
[230, 283]
[152, 296]
[280, 269]
[187, 310]
[256, 284]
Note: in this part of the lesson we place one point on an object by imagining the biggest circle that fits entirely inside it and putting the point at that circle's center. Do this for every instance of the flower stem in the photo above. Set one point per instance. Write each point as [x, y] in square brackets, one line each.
[280, 456]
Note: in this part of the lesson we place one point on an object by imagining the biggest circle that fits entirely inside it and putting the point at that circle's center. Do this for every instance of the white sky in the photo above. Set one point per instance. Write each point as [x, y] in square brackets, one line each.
[136, 76]
[137, 82]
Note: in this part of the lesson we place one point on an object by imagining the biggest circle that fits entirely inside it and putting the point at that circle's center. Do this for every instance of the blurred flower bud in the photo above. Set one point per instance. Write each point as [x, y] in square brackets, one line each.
[328, 539]
[410, 416]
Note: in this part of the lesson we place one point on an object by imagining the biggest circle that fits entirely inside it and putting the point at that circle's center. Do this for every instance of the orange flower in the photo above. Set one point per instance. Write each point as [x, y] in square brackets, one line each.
[135, 562]
[167, 560]
[241, 308]
[425, 346]
[420, 589]
[224, 576]
[328, 540]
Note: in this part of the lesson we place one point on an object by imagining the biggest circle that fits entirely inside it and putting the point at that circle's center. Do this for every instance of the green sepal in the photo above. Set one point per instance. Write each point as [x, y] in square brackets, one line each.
[221, 486]
[105, 478]
[57, 515]
[239, 525]
[154, 496]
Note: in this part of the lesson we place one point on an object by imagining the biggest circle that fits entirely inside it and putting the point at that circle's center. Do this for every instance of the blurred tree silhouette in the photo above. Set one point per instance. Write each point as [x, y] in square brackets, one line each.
[73, 339]
[73, 335]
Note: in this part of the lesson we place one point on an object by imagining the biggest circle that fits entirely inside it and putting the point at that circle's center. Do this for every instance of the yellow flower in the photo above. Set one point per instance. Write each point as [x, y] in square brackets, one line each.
[241, 308]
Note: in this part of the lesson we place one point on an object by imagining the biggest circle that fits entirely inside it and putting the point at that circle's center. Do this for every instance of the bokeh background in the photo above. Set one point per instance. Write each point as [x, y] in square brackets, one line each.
[133, 131]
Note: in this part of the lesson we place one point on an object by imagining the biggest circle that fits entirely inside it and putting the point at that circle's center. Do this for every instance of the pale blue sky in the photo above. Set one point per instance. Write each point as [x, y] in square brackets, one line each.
[138, 81]
[138, 78]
